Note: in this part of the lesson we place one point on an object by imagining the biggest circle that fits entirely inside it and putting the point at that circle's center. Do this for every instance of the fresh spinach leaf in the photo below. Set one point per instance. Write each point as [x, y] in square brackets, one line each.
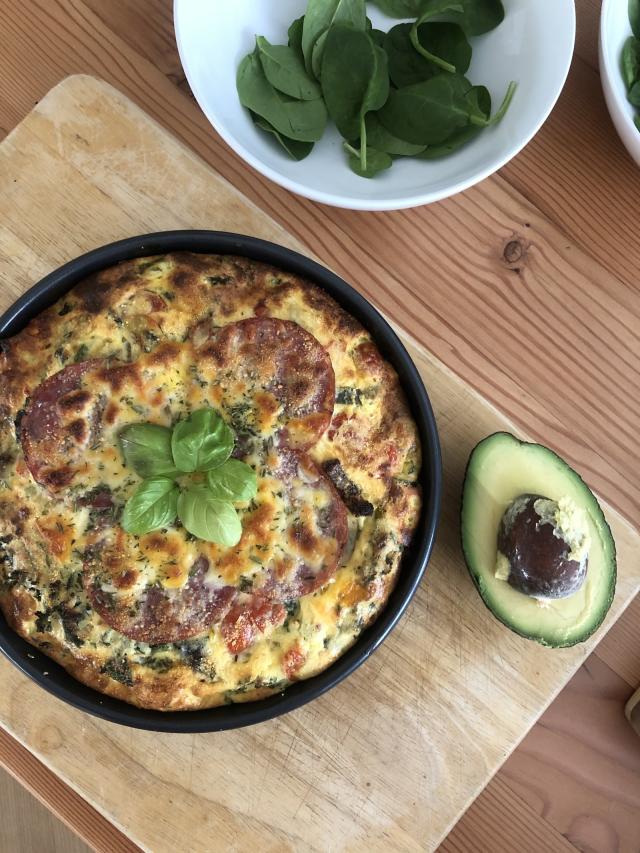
[631, 61]
[147, 449]
[406, 65]
[634, 17]
[634, 94]
[385, 92]
[446, 41]
[381, 139]
[317, 20]
[233, 481]
[479, 101]
[296, 150]
[458, 140]
[475, 99]
[399, 8]
[201, 442]
[320, 16]
[285, 71]
[316, 55]
[351, 13]
[636, 120]
[303, 121]
[375, 161]
[209, 518]
[427, 113]
[474, 16]
[481, 16]
[355, 78]
[433, 9]
[294, 36]
[152, 506]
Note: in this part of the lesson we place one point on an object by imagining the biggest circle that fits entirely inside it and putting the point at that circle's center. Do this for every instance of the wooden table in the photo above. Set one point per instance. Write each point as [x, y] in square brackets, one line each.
[567, 201]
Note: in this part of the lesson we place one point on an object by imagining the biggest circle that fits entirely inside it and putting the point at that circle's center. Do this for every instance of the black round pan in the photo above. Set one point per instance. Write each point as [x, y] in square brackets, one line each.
[53, 677]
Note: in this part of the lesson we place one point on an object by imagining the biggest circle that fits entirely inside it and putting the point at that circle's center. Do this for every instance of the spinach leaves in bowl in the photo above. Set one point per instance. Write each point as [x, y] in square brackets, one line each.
[396, 94]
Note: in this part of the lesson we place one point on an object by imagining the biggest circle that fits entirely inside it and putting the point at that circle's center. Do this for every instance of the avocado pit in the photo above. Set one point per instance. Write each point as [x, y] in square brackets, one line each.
[543, 547]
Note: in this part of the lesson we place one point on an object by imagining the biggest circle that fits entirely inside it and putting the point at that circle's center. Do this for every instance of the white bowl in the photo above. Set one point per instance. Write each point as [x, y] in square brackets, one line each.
[614, 31]
[533, 46]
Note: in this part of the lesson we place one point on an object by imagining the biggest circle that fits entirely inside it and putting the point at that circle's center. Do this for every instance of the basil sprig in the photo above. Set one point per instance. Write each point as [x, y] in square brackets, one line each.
[153, 505]
[209, 518]
[201, 443]
[396, 94]
[147, 449]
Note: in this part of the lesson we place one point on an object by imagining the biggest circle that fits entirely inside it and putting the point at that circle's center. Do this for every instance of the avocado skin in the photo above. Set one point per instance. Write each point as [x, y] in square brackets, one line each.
[476, 576]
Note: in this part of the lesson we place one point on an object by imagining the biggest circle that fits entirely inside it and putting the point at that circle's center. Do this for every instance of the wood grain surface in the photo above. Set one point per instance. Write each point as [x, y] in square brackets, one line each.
[28, 825]
[25, 828]
[575, 177]
[448, 695]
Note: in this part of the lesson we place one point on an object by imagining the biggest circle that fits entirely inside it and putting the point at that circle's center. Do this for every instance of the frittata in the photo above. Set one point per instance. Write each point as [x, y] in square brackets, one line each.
[164, 619]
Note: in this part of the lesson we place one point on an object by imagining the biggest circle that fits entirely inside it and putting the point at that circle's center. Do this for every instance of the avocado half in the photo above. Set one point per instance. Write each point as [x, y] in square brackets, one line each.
[500, 469]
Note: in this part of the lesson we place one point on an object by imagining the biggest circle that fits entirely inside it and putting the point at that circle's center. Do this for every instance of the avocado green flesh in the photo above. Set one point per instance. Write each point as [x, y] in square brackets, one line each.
[501, 468]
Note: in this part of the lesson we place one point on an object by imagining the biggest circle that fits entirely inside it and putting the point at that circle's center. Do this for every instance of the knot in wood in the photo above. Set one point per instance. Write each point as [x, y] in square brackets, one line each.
[513, 252]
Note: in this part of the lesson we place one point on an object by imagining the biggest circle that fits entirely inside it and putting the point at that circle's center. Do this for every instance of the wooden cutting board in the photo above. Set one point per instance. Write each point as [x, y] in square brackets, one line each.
[391, 757]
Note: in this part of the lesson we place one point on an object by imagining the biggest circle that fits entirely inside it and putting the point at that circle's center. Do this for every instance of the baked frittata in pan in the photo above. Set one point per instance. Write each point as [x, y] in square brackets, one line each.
[166, 619]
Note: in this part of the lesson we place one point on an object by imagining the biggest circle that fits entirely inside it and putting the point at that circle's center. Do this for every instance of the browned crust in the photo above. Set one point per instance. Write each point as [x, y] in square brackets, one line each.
[27, 358]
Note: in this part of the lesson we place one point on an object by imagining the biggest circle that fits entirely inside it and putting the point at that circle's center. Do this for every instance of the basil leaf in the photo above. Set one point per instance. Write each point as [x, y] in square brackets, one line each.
[374, 161]
[304, 121]
[631, 61]
[634, 17]
[380, 138]
[208, 518]
[355, 78]
[147, 449]
[233, 481]
[427, 113]
[201, 442]
[285, 71]
[153, 505]
[296, 150]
